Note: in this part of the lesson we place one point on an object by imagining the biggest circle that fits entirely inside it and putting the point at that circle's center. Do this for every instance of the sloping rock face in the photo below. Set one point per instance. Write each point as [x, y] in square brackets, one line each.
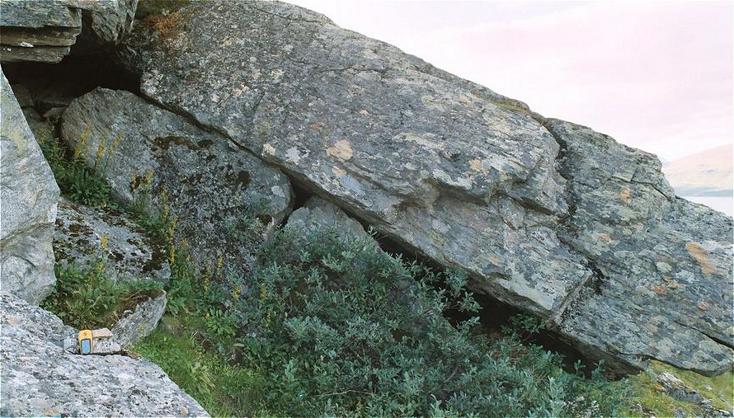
[45, 31]
[85, 235]
[41, 379]
[205, 184]
[663, 265]
[29, 195]
[469, 178]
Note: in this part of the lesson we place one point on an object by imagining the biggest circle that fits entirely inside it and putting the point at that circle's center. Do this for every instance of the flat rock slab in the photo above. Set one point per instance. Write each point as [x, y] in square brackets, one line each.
[41, 379]
[84, 236]
[29, 196]
[210, 190]
[573, 227]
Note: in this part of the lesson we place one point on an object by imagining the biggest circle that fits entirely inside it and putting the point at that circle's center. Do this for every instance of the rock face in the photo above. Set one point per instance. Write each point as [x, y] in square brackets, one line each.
[561, 222]
[29, 194]
[45, 31]
[208, 188]
[139, 323]
[662, 286]
[41, 379]
[85, 235]
[317, 214]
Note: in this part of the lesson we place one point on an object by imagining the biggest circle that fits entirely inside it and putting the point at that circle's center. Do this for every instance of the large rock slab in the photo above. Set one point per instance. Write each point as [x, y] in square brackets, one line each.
[663, 265]
[84, 236]
[29, 196]
[212, 189]
[446, 166]
[41, 379]
[467, 177]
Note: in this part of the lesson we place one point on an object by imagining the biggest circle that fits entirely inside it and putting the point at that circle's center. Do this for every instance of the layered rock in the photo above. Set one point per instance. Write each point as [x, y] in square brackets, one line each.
[468, 177]
[663, 265]
[45, 31]
[84, 236]
[29, 196]
[41, 379]
[208, 189]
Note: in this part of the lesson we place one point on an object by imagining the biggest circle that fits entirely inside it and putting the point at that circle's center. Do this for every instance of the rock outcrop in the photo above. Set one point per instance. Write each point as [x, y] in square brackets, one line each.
[29, 196]
[318, 214]
[209, 189]
[41, 379]
[140, 322]
[554, 219]
[85, 235]
[45, 31]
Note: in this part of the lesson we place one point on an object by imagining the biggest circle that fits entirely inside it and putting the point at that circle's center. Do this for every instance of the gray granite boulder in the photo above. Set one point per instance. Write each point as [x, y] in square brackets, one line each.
[85, 235]
[584, 235]
[41, 379]
[210, 190]
[29, 196]
[139, 322]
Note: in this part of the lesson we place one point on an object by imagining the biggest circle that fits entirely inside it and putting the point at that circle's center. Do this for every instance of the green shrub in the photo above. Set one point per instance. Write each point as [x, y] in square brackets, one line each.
[86, 298]
[76, 180]
[342, 328]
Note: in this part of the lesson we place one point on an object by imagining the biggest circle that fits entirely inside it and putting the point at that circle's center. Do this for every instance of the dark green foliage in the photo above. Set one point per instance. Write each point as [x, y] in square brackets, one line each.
[342, 328]
[78, 182]
[87, 298]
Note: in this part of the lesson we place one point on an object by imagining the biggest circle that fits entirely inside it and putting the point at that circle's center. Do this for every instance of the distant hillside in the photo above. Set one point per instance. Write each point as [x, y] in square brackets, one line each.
[707, 173]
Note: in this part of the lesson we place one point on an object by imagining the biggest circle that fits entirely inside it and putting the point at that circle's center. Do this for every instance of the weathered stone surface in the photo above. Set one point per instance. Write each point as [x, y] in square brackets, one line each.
[663, 266]
[85, 235]
[108, 21]
[44, 31]
[317, 214]
[40, 31]
[29, 194]
[467, 177]
[41, 379]
[208, 185]
[139, 323]
[447, 166]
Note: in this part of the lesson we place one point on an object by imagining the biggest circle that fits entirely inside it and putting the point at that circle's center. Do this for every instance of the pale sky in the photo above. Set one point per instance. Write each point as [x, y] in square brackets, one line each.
[654, 75]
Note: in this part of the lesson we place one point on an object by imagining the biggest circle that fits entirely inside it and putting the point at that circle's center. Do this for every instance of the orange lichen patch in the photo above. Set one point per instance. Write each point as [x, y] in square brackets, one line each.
[341, 150]
[625, 195]
[701, 256]
[168, 26]
[659, 289]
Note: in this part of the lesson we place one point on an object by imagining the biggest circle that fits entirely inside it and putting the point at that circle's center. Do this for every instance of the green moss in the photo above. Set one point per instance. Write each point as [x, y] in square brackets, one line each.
[158, 7]
[653, 400]
[221, 388]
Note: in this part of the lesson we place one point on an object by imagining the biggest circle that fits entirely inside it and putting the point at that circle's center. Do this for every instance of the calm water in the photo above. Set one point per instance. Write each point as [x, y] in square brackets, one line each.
[722, 204]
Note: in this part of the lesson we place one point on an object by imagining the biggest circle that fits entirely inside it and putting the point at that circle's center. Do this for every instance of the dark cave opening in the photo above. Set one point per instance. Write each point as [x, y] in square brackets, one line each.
[55, 85]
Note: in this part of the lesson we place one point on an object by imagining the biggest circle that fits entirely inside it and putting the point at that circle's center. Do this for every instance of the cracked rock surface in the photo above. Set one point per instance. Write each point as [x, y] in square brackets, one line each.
[29, 196]
[41, 379]
[203, 184]
[552, 218]
[84, 235]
